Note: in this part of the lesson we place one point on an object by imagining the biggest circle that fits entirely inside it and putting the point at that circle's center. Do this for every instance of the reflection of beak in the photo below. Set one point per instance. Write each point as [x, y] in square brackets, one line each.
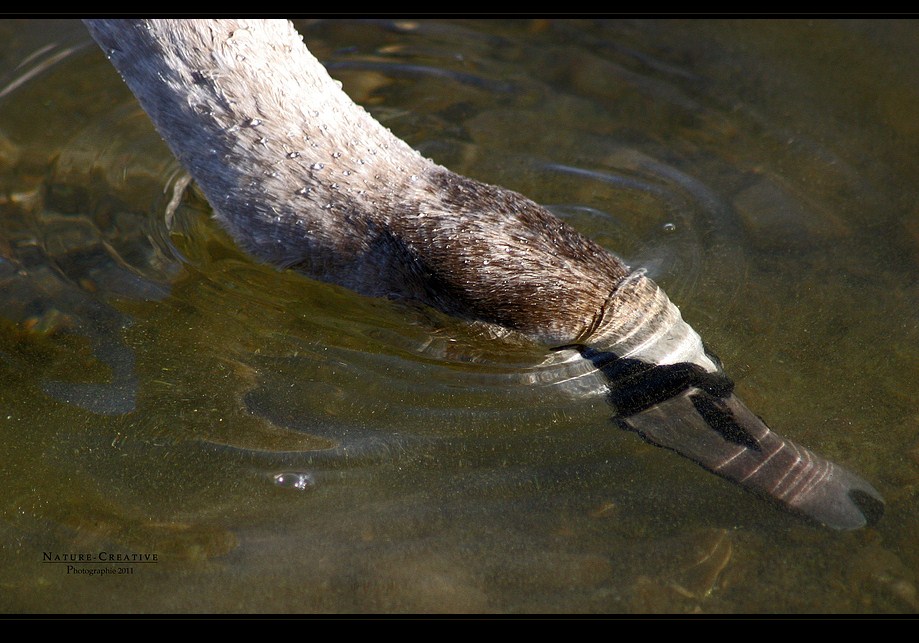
[717, 431]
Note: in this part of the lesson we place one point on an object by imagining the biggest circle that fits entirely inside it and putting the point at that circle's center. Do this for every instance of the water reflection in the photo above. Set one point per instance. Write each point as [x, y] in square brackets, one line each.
[285, 445]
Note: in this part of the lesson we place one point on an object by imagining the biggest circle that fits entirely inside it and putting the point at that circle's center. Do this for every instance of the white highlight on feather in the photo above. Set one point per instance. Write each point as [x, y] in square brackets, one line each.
[658, 335]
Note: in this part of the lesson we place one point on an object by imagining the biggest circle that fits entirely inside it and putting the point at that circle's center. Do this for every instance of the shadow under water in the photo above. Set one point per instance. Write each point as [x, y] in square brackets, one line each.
[222, 437]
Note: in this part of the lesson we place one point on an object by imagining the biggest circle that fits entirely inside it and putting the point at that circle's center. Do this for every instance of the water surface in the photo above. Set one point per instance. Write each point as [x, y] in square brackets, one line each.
[286, 445]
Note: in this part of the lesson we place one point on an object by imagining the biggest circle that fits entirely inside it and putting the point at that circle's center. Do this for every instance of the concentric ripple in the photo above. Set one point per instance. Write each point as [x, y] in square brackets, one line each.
[161, 389]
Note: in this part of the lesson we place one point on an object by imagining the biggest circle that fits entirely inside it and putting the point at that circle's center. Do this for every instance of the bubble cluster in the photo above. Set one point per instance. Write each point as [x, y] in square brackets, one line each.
[299, 480]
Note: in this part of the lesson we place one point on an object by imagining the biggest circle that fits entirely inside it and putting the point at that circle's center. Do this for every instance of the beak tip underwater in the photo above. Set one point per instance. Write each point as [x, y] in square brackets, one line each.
[724, 436]
[870, 504]
[851, 504]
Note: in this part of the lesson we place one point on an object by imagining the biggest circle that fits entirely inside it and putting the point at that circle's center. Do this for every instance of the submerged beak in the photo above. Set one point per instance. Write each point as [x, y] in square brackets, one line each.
[721, 434]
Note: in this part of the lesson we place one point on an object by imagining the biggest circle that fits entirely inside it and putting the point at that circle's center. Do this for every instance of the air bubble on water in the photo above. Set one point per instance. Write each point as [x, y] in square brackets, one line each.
[669, 227]
[299, 480]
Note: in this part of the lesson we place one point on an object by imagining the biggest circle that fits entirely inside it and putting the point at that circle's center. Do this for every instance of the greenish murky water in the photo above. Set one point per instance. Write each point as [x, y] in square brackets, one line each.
[282, 445]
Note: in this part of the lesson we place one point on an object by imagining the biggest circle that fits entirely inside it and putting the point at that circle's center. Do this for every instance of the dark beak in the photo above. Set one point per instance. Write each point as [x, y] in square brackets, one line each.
[721, 434]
